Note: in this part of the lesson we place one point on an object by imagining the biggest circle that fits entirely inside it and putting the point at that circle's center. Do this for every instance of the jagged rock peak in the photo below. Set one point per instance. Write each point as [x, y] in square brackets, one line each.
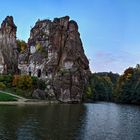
[8, 46]
[8, 25]
[64, 22]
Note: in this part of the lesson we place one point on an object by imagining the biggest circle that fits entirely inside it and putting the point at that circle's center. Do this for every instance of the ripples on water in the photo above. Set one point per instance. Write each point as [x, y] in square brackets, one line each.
[100, 121]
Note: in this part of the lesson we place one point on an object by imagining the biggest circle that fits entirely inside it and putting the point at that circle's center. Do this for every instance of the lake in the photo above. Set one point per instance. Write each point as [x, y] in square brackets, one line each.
[99, 121]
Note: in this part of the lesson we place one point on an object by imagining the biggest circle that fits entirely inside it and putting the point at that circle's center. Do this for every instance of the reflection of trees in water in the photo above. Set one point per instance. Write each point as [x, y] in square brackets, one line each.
[12, 119]
[81, 134]
[41, 122]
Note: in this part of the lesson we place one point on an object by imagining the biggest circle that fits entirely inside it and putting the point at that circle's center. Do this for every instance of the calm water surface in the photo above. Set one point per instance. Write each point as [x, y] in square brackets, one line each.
[100, 121]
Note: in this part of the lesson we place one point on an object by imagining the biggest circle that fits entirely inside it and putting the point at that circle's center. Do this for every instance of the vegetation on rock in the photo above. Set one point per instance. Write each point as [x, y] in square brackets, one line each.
[21, 46]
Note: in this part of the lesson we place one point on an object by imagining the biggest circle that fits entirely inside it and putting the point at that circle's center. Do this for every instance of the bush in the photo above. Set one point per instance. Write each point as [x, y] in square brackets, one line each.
[34, 82]
[38, 83]
[25, 93]
[6, 79]
[24, 82]
[2, 86]
[41, 84]
[15, 80]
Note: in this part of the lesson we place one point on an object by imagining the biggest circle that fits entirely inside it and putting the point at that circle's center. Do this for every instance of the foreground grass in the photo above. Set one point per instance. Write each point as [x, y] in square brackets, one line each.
[19, 92]
[6, 97]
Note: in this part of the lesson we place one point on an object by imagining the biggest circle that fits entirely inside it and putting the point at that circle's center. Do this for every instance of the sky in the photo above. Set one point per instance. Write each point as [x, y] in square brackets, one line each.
[109, 29]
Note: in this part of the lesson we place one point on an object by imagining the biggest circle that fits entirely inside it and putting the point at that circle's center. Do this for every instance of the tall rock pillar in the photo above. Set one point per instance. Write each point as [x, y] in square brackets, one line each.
[8, 47]
[57, 50]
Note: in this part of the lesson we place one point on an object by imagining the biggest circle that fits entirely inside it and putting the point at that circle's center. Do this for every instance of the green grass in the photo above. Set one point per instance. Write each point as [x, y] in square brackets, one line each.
[20, 92]
[6, 97]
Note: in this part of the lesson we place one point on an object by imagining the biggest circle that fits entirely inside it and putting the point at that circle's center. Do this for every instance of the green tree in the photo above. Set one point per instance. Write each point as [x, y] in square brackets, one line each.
[128, 86]
[21, 46]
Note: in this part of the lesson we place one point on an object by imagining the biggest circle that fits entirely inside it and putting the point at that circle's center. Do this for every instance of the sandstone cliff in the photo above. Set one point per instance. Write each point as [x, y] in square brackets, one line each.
[57, 53]
[8, 47]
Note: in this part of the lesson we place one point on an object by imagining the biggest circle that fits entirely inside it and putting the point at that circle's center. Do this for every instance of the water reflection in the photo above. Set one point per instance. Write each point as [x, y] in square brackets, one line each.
[111, 122]
[41, 122]
[100, 121]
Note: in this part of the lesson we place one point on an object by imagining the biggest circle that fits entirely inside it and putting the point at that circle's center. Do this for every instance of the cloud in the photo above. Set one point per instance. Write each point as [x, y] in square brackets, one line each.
[105, 57]
[114, 61]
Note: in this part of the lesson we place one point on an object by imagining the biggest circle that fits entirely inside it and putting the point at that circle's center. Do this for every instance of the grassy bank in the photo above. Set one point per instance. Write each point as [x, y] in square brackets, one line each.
[19, 92]
[22, 85]
[6, 97]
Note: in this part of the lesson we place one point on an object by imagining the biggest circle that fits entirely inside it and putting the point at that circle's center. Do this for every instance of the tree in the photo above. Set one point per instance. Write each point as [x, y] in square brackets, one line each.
[21, 46]
[101, 87]
[128, 86]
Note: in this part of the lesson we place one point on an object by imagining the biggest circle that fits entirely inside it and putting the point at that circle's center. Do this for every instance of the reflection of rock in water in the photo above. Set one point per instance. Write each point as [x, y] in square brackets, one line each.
[70, 122]
[41, 122]
[64, 121]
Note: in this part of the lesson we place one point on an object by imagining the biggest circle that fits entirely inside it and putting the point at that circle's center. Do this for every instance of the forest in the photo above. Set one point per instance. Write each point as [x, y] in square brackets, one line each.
[107, 86]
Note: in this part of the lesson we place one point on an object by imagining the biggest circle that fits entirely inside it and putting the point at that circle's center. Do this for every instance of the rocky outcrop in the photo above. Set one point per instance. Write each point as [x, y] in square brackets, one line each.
[43, 95]
[8, 47]
[39, 94]
[57, 54]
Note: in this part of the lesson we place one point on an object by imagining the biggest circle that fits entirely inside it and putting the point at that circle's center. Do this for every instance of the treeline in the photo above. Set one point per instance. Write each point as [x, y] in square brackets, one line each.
[112, 87]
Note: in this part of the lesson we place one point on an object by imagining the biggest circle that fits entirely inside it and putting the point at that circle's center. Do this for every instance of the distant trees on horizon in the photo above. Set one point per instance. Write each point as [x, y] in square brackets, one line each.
[123, 88]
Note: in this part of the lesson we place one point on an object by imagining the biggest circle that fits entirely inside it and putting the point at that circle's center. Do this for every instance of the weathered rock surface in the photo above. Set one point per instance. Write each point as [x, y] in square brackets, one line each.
[39, 94]
[8, 47]
[57, 54]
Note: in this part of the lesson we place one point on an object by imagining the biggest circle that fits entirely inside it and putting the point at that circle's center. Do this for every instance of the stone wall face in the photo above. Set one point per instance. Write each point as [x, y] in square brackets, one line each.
[59, 52]
[8, 45]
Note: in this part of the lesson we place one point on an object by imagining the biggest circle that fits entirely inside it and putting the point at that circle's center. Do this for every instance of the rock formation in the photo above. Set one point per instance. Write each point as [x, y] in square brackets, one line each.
[57, 54]
[8, 47]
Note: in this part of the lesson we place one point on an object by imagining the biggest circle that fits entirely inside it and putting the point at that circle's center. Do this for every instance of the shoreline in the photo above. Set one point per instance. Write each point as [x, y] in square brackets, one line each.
[38, 102]
[28, 102]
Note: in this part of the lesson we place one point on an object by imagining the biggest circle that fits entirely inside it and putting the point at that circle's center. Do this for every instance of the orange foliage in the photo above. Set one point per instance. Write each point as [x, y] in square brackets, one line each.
[15, 80]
